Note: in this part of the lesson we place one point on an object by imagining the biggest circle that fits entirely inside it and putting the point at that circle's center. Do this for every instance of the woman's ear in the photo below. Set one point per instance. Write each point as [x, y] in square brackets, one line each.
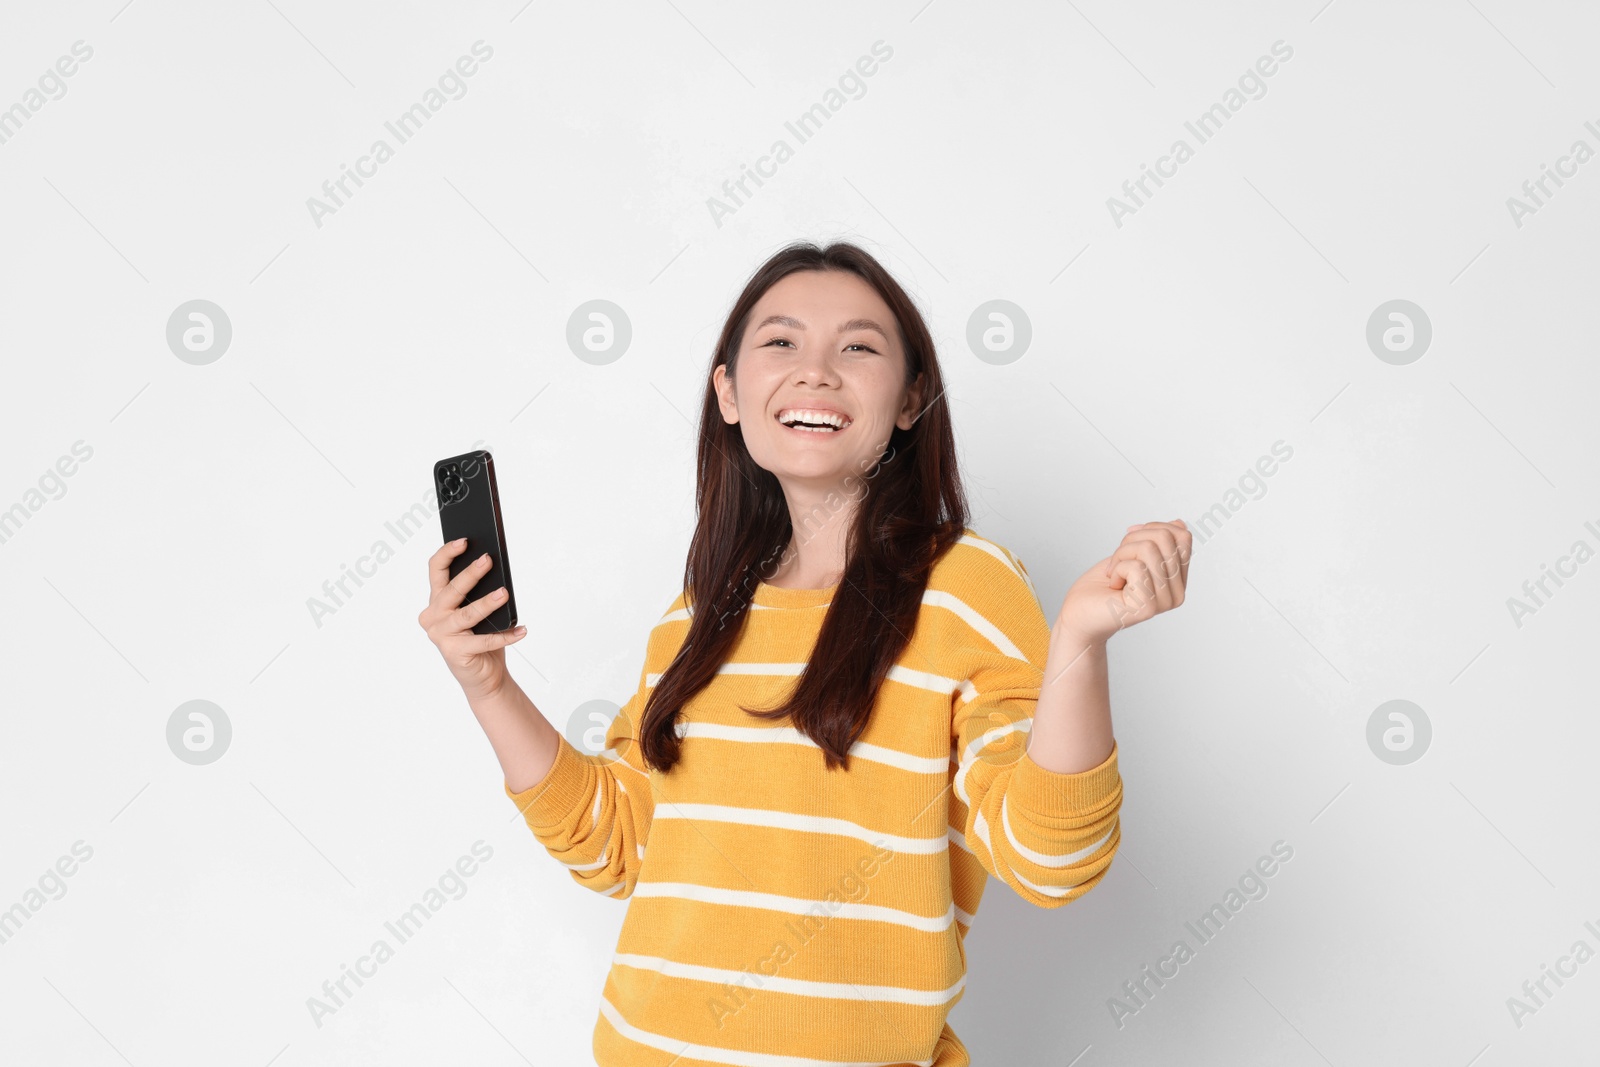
[911, 410]
[724, 387]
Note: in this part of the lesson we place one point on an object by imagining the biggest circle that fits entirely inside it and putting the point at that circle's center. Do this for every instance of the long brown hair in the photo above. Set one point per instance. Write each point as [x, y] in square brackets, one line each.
[913, 509]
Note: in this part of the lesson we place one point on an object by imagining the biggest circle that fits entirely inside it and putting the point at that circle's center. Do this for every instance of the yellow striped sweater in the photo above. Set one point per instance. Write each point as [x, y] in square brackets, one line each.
[784, 915]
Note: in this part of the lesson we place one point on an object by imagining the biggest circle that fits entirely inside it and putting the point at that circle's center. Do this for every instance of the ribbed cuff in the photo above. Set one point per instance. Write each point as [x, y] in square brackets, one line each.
[565, 786]
[1064, 793]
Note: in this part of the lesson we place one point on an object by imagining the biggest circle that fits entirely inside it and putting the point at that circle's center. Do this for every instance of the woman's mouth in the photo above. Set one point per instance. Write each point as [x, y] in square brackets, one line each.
[813, 420]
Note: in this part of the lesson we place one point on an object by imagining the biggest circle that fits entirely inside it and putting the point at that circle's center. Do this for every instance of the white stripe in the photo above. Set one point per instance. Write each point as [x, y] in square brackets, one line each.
[732, 1057]
[614, 890]
[990, 547]
[990, 736]
[1004, 555]
[615, 759]
[965, 917]
[789, 735]
[786, 820]
[797, 986]
[768, 669]
[1001, 867]
[975, 619]
[1023, 571]
[937, 683]
[1044, 890]
[1044, 859]
[747, 898]
[969, 758]
[596, 865]
[761, 668]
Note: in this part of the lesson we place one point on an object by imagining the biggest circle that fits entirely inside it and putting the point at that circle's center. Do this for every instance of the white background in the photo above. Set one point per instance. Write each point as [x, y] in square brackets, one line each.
[1168, 354]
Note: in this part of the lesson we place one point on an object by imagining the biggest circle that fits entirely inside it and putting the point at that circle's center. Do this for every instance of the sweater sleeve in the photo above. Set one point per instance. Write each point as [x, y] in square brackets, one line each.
[593, 813]
[1049, 835]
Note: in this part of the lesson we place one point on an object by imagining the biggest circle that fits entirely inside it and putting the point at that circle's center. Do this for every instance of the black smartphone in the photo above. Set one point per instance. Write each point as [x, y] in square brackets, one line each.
[469, 506]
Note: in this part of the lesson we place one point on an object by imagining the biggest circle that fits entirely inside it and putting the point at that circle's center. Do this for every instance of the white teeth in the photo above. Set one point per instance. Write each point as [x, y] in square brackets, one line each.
[790, 416]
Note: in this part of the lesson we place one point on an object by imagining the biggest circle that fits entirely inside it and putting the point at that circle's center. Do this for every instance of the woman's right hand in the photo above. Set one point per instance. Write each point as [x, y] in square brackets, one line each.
[478, 661]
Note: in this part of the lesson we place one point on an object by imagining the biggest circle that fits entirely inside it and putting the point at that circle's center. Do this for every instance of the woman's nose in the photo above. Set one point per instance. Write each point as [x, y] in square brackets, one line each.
[816, 366]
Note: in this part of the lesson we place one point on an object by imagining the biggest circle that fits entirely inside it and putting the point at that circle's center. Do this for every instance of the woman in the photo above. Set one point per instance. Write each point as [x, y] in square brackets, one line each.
[820, 769]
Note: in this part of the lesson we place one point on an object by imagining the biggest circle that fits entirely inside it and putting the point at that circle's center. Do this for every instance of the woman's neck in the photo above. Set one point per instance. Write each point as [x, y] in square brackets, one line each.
[814, 558]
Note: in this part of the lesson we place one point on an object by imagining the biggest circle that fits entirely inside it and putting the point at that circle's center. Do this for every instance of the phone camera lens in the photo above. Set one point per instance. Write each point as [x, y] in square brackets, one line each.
[452, 487]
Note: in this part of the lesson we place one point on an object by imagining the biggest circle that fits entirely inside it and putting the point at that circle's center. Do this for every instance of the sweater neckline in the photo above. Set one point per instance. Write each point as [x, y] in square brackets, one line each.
[778, 596]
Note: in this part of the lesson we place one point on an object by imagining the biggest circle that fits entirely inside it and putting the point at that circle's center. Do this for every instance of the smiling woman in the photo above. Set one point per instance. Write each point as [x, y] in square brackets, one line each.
[817, 388]
[833, 744]
[841, 633]
[823, 377]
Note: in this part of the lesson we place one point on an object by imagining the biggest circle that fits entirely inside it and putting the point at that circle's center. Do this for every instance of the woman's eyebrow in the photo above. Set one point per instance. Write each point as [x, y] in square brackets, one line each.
[864, 324]
[795, 324]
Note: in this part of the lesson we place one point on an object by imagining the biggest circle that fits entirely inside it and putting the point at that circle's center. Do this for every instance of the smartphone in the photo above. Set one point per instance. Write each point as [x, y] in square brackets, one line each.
[469, 506]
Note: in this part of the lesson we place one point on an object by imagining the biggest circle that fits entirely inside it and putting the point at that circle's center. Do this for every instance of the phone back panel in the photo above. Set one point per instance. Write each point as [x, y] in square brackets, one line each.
[469, 506]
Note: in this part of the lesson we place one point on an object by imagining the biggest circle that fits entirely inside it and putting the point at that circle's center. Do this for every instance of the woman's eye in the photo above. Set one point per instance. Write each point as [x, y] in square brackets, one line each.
[786, 341]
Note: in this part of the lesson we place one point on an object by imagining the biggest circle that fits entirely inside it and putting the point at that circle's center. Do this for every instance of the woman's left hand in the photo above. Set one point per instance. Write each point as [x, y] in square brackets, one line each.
[1142, 578]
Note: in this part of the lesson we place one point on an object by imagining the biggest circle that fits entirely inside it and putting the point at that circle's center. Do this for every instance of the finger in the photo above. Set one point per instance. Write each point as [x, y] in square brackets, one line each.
[1138, 591]
[476, 643]
[1129, 548]
[1149, 554]
[1176, 560]
[1156, 564]
[1181, 536]
[1165, 535]
[439, 564]
[1185, 542]
[1123, 552]
[469, 615]
[459, 586]
[1188, 552]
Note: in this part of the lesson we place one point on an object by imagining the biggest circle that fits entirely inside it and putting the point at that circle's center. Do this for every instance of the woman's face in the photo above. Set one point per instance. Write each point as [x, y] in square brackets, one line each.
[824, 347]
